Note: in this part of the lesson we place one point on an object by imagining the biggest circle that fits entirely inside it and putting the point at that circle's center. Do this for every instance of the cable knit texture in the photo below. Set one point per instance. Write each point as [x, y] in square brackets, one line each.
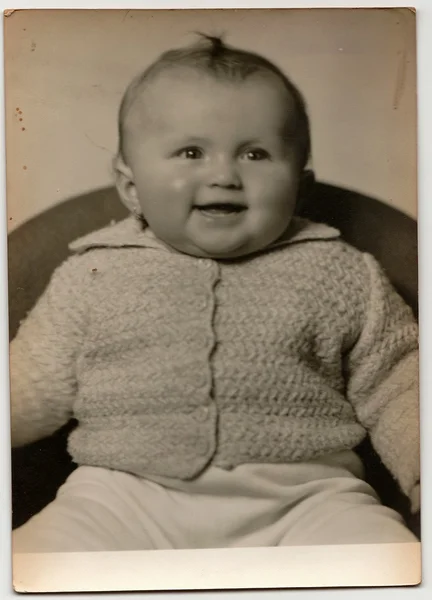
[171, 363]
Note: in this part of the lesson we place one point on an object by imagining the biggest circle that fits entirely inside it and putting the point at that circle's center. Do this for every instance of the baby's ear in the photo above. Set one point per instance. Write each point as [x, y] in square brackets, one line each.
[125, 186]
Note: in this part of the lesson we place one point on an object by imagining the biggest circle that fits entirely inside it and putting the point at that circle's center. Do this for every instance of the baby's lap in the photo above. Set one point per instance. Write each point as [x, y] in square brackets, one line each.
[98, 509]
[97, 491]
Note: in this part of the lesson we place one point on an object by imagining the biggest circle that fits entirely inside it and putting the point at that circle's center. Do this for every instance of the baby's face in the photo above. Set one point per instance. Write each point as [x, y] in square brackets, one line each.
[211, 170]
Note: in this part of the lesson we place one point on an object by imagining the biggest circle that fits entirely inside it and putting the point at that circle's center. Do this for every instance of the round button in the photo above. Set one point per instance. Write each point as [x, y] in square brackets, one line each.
[202, 414]
[202, 446]
[202, 303]
[202, 379]
[206, 263]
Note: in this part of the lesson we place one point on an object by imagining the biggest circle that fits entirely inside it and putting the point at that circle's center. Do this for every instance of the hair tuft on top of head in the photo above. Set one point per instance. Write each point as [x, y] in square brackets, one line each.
[217, 45]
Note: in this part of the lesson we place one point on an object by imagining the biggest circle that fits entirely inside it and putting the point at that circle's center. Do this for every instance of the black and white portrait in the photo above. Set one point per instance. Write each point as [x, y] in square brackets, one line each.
[213, 299]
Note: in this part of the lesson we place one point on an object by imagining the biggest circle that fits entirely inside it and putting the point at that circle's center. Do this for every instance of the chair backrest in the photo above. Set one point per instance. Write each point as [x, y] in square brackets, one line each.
[38, 246]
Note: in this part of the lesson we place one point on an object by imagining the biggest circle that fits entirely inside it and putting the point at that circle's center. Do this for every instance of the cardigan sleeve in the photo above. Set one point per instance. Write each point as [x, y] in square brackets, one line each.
[382, 380]
[42, 360]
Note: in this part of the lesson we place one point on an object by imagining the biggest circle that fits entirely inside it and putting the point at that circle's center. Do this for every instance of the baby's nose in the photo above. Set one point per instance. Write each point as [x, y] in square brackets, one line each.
[223, 172]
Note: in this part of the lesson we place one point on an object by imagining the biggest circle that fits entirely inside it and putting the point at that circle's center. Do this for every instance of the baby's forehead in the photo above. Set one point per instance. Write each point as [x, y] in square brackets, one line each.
[175, 86]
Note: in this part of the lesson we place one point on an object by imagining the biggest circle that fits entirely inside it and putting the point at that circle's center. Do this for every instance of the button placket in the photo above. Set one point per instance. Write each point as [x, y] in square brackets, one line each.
[209, 275]
[209, 272]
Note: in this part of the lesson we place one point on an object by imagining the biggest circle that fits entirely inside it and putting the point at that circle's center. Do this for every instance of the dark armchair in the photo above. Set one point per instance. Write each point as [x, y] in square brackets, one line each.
[39, 245]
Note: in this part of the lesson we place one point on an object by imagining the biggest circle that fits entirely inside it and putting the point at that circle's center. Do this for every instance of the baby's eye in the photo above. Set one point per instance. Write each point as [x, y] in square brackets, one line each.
[192, 153]
[256, 154]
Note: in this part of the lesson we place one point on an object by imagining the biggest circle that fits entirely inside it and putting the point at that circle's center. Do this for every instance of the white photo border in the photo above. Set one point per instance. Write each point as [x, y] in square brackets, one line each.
[33, 563]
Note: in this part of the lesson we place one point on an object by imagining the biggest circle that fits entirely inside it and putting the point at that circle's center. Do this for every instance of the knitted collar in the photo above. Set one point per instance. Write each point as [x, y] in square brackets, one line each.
[129, 233]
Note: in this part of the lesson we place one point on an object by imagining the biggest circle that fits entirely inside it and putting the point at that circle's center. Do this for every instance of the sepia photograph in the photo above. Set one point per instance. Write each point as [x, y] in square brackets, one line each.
[213, 298]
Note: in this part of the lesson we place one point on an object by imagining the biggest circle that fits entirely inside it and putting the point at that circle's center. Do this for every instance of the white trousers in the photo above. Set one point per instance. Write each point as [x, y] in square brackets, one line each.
[320, 502]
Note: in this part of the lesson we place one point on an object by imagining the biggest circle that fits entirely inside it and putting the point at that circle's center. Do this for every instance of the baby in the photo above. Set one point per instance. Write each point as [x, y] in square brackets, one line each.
[222, 357]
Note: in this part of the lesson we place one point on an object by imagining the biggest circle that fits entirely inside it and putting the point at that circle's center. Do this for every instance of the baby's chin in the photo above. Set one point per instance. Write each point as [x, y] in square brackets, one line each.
[220, 251]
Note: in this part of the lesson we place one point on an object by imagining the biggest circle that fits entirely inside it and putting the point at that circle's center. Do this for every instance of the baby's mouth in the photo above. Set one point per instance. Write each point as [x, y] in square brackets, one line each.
[221, 208]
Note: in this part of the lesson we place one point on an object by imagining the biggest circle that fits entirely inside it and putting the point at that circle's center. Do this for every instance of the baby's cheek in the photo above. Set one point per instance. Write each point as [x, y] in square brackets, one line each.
[182, 192]
[180, 184]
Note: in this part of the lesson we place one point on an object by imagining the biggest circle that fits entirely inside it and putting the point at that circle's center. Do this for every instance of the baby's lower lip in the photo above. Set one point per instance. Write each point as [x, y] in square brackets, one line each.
[216, 210]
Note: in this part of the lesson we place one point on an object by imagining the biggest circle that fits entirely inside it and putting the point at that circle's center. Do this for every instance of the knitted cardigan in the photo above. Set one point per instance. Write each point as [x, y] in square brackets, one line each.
[171, 363]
